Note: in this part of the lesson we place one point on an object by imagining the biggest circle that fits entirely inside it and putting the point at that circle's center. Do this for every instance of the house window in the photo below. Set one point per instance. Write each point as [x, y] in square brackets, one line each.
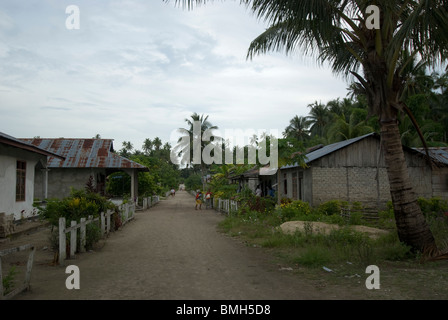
[285, 184]
[300, 184]
[20, 180]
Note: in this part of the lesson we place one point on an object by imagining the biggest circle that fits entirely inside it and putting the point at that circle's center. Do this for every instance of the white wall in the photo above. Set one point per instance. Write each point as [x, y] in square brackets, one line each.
[8, 165]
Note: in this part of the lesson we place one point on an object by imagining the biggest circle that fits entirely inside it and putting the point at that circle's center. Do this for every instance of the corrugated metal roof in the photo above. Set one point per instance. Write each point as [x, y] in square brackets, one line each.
[438, 154]
[17, 143]
[326, 150]
[84, 153]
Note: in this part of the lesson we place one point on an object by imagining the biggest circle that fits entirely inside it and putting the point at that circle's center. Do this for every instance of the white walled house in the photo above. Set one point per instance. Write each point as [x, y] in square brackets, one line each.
[19, 165]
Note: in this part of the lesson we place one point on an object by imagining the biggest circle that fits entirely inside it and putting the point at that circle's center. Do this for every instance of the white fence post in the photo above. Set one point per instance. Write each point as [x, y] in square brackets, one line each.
[62, 241]
[108, 214]
[82, 235]
[73, 233]
[103, 224]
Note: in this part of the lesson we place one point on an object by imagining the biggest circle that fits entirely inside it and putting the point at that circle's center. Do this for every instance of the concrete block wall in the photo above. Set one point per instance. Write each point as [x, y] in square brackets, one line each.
[329, 184]
[350, 184]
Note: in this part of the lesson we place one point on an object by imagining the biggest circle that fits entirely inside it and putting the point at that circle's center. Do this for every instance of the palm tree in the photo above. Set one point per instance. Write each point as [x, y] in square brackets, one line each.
[197, 126]
[157, 143]
[147, 146]
[341, 129]
[319, 117]
[344, 33]
[339, 33]
[298, 128]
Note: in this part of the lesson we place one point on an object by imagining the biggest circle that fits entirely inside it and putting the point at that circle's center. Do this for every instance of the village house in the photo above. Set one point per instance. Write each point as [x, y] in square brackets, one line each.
[21, 165]
[84, 159]
[355, 171]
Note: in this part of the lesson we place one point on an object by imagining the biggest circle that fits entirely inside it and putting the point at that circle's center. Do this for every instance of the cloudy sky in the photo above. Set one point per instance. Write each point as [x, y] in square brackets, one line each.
[136, 69]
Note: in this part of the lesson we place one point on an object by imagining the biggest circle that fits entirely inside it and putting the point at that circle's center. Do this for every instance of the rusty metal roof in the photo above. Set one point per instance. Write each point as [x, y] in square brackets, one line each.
[440, 154]
[84, 153]
[17, 143]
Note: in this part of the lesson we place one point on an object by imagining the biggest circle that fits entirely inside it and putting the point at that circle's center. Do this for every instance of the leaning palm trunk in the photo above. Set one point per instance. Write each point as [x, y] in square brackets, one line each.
[411, 225]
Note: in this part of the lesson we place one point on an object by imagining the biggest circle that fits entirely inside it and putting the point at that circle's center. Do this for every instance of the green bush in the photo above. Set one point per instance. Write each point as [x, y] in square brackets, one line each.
[433, 207]
[290, 210]
[332, 207]
[80, 204]
[93, 235]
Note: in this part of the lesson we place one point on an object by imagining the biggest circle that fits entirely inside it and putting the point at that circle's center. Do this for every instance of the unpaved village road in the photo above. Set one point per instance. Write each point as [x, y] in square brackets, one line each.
[173, 251]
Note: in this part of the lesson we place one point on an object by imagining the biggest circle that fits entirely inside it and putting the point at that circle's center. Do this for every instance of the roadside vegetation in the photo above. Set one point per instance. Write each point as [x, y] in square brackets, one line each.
[342, 255]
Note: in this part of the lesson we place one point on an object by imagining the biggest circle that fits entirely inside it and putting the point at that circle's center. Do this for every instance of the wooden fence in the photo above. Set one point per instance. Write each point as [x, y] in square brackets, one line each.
[126, 211]
[226, 205]
[29, 266]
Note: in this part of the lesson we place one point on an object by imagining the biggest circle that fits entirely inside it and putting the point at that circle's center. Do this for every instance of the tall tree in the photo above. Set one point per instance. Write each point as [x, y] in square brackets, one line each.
[298, 128]
[319, 117]
[353, 35]
[190, 137]
[350, 36]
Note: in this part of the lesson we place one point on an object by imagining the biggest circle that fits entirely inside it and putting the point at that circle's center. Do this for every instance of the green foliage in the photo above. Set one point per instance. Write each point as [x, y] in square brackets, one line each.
[293, 210]
[433, 207]
[8, 280]
[313, 257]
[93, 235]
[193, 182]
[332, 207]
[80, 204]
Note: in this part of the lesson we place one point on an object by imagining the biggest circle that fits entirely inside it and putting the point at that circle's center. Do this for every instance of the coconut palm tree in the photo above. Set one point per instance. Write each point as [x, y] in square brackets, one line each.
[298, 128]
[319, 117]
[343, 33]
[344, 129]
[197, 126]
[353, 37]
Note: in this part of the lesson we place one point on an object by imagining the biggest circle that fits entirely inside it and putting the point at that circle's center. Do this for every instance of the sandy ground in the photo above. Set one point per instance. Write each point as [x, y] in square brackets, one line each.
[170, 251]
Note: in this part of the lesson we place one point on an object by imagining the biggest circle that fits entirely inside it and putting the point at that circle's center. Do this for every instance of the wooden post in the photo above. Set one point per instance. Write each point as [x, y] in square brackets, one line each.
[108, 214]
[62, 242]
[103, 224]
[73, 240]
[29, 267]
[126, 211]
[82, 235]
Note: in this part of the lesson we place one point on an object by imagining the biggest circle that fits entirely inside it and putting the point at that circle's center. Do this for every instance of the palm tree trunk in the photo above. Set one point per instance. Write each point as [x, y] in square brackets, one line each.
[411, 224]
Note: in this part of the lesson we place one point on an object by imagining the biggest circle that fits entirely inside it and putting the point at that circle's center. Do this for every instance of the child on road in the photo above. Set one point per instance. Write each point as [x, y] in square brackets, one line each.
[198, 199]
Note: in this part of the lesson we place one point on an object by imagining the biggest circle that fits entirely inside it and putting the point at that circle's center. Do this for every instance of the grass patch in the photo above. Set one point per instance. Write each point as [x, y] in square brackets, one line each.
[346, 253]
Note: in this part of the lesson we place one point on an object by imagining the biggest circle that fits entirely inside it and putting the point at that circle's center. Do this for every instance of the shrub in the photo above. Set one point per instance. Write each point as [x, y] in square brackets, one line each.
[332, 207]
[80, 204]
[433, 207]
[290, 210]
[93, 235]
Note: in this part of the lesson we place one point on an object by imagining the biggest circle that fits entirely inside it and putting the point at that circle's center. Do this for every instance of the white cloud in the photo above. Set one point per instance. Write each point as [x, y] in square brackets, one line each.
[136, 69]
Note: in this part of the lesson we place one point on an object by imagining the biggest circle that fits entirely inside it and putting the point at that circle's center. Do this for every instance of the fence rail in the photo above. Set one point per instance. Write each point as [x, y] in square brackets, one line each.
[227, 205]
[126, 211]
[366, 213]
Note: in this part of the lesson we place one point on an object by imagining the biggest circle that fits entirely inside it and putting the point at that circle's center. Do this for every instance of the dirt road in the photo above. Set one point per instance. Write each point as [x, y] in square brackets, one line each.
[172, 251]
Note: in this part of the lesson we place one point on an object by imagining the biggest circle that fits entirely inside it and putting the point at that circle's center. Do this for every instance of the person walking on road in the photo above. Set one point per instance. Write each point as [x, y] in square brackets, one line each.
[198, 199]
[208, 199]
